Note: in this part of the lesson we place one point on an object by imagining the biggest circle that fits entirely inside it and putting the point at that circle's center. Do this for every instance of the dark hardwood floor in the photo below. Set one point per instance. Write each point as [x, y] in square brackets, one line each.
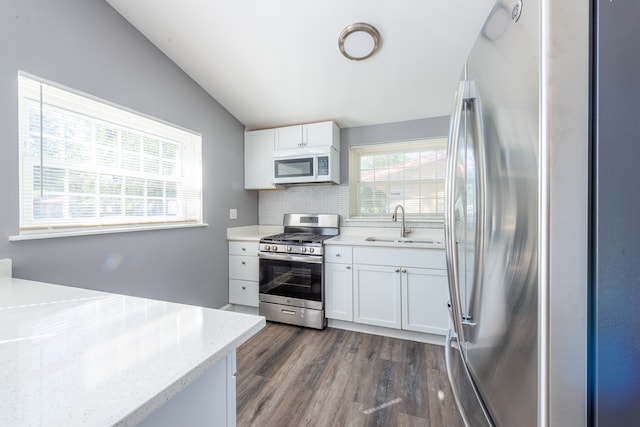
[290, 376]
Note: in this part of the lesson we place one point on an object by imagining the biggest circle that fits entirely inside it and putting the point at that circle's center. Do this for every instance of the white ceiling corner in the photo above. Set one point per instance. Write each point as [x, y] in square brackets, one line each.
[277, 63]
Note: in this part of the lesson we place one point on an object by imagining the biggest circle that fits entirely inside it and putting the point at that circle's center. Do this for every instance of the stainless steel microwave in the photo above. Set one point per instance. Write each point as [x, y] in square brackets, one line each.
[323, 167]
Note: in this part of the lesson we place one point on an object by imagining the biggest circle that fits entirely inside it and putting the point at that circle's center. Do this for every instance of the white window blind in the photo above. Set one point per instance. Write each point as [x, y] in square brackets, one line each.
[86, 164]
[410, 173]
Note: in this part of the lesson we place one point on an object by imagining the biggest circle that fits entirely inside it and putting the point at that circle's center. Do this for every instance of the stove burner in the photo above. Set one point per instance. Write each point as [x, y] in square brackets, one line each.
[296, 238]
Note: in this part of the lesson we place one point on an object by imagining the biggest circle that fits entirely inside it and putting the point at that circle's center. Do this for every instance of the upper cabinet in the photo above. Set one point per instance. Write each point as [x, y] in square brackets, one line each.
[258, 163]
[323, 134]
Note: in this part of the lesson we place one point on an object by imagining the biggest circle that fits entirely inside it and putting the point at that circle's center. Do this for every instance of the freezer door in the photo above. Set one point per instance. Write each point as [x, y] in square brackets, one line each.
[470, 406]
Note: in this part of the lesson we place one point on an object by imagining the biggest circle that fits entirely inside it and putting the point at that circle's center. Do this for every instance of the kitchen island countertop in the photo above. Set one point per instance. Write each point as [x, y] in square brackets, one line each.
[72, 356]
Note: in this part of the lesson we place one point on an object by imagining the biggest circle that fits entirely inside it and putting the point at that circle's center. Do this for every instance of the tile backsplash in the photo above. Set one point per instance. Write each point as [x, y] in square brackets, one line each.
[334, 199]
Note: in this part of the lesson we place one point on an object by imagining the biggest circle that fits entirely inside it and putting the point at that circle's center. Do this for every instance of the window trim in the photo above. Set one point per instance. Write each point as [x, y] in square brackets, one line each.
[382, 146]
[101, 111]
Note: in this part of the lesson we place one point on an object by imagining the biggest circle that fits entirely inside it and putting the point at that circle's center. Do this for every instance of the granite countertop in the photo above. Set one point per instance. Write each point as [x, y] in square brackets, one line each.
[72, 356]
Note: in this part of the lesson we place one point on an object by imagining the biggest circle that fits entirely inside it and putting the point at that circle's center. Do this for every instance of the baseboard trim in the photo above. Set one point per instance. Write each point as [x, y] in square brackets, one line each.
[393, 333]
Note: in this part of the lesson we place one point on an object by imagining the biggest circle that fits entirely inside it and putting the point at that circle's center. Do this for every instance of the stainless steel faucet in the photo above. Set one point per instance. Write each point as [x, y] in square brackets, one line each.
[404, 231]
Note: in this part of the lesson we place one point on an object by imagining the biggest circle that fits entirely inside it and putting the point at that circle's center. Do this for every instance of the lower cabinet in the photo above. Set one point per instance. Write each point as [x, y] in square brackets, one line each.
[425, 294]
[338, 292]
[243, 273]
[377, 298]
[411, 295]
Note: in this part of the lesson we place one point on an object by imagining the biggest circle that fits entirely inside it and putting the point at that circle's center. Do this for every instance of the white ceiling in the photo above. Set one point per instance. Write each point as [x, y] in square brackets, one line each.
[274, 63]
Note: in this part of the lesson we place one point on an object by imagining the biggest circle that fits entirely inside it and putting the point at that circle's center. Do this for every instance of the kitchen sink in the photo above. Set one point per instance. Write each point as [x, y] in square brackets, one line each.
[387, 239]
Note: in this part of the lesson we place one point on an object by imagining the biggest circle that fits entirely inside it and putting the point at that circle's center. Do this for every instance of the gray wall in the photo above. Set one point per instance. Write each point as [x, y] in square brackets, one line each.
[86, 45]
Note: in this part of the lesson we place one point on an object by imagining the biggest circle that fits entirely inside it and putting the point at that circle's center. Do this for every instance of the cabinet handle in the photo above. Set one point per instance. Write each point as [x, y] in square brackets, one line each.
[348, 267]
[244, 288]
[404, 270]
[244, 249]
[244, 263]
[337, 254]
[397, 270]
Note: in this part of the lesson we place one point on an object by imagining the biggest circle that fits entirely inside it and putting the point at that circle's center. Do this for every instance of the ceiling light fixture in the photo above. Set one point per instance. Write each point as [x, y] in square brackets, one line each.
[359, 41]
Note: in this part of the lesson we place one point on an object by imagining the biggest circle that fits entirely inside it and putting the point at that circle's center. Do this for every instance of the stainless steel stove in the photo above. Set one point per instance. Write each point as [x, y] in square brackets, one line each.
[292, 270]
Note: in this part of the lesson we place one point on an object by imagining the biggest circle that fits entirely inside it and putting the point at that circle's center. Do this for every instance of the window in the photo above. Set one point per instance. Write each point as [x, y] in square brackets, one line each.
[86, 165]
[411, 173]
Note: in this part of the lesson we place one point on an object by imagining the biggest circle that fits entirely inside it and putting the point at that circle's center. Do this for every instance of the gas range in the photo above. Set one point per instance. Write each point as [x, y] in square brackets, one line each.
[304, 234]
[291, 285]
[294, 243]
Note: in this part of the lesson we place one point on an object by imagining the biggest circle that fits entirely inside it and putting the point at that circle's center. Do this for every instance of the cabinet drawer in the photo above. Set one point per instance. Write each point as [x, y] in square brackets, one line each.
[243, 248]
[243, 267]
[338, 254]
[425, 258]
[243, 292]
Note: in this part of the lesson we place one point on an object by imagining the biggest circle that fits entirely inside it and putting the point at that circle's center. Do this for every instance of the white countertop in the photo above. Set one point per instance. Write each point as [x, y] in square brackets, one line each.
[71, 356]
[253, 232]
[422, 238]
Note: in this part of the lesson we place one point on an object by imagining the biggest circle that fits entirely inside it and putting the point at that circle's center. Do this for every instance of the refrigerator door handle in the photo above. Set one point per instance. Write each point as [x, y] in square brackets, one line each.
[477, 414]
[449, 217]
[468, 321]
[452, 382]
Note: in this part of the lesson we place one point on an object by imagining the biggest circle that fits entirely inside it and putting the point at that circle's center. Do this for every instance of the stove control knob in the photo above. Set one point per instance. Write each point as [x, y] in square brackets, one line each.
[288, 248]
[266, 247]
[274, 248]
[311, 250]
[303, 250]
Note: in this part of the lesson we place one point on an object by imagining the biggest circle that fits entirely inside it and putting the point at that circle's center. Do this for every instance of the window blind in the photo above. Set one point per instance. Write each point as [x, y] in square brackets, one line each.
[85, 163]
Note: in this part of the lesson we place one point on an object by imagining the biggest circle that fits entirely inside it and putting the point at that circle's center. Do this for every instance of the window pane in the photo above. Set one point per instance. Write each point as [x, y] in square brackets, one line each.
[101, 164]
[383, 176]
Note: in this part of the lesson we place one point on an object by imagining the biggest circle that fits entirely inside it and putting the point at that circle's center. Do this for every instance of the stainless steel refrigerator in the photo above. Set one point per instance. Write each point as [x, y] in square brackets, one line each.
[491, 223]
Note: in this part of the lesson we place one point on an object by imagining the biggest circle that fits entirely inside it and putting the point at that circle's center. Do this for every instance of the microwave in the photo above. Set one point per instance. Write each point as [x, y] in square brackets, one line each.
[321, 167]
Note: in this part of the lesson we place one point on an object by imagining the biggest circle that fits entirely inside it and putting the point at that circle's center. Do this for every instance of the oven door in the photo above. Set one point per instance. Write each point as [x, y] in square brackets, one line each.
[291, 280]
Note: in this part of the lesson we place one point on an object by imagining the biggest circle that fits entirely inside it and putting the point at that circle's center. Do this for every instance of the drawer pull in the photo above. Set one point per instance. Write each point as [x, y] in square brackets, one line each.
[244, 288]
[244, 249]
[337, 254]
[244, 263]
[289, 312]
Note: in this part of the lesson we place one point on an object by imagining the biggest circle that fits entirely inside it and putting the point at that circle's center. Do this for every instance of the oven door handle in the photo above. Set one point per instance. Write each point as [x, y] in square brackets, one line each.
[288, 257]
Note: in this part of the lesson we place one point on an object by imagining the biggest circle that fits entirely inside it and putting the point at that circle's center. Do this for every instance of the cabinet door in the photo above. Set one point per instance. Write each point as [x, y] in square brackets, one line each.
[424, 300]
[243, 267]
[288, 137]
[338, 288]
[319, 135]
[377, 295]
[243, 292]
[258, 159]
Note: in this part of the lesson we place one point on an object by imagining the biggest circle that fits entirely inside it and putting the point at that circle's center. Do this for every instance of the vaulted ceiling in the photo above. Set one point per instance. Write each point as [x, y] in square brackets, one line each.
[275, 63]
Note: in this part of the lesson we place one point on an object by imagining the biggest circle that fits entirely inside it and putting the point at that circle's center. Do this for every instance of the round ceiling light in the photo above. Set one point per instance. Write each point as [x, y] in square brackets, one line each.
[359, 41]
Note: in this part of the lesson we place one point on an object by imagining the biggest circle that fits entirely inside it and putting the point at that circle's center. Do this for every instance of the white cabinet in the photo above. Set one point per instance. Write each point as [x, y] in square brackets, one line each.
[401, 288]
[377, 299]
[338, 283]
[323, 134]
[424, 300]
[243, 273]
[258, 159]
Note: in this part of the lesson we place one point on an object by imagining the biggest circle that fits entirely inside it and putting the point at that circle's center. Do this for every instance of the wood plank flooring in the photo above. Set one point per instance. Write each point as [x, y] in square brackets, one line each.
[290, 376]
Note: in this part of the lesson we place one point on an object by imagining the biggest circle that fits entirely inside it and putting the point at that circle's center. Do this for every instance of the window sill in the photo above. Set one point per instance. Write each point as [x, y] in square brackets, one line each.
[110, 230]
